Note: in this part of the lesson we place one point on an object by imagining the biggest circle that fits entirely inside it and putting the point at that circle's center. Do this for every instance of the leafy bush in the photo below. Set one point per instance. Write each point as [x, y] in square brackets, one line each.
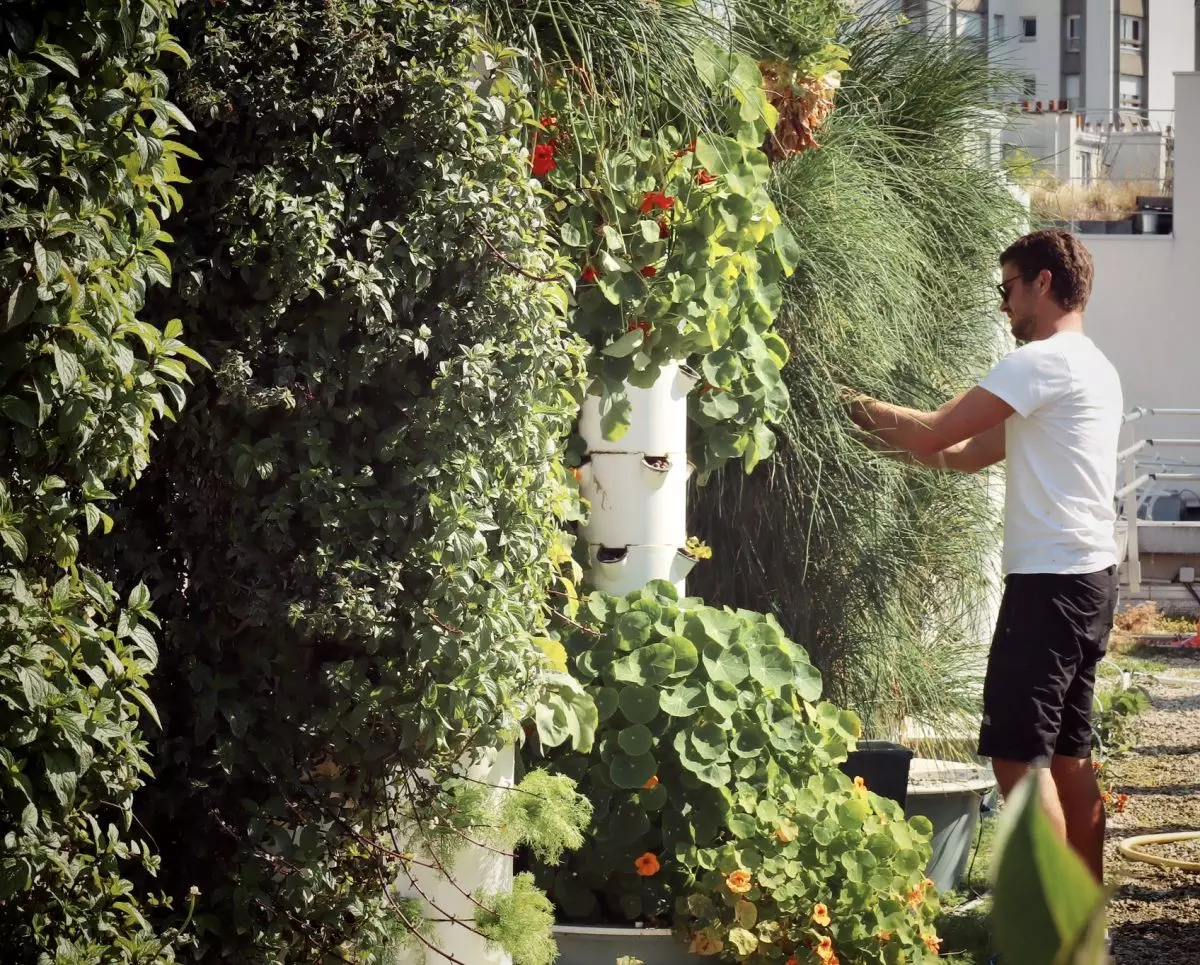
[680, 256]
[351, 531]
[86, 171]
[718, 804]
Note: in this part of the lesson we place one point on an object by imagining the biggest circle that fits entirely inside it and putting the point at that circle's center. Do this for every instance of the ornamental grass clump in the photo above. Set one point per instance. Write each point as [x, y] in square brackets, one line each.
[719, 806]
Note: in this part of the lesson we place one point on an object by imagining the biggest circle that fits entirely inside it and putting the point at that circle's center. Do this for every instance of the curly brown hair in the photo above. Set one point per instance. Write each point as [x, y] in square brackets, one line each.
[1064, 256]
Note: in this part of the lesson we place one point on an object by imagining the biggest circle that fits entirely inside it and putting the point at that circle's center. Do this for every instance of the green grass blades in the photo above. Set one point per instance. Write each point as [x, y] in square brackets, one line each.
[1047, 910]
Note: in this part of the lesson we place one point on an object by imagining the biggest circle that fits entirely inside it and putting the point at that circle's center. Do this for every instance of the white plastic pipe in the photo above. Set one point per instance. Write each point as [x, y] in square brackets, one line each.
[636, 487]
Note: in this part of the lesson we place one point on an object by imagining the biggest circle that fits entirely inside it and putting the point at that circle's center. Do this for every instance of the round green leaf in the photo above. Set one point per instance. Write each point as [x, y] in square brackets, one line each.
[606, 701]
[686, 657]
[633, 629]
[639, 703]
[632, 772]
[654, 798]
[684, 700]
[636, 740]
[771, 666]
[722, 697]
[650, 664]
[728, 663]
[710, 741]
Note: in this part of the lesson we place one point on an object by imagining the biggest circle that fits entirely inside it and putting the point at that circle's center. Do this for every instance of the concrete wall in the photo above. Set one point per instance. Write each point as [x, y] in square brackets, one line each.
[1145, 307]
[1099, 59]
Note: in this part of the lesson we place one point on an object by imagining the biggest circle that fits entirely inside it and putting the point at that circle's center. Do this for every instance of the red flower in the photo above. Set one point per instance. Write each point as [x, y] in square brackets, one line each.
[664, 228]
[543, 159]
[549, 121]
[703, 177]
[648, 272]
[589, 274]
[691, 147]
[642, 326]
[656, 199]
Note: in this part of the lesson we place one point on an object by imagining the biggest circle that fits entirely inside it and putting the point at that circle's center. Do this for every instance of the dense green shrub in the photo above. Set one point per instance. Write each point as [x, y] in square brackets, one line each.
[718, 805]
[351, 530]
[86, 172]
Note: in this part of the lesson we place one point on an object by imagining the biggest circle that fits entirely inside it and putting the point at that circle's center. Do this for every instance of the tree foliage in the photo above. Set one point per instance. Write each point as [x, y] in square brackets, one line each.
[351, 530]
[87, 165]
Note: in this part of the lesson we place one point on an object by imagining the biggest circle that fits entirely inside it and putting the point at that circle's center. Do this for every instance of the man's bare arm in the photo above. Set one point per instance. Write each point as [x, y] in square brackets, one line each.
[985, 449]
[959, 421]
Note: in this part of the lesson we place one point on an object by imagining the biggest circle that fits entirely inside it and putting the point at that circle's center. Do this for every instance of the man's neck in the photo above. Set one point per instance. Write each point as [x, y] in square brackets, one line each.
[1057, 322]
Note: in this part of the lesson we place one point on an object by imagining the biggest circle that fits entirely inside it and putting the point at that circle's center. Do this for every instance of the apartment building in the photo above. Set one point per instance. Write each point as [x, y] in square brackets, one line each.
[1104, 58]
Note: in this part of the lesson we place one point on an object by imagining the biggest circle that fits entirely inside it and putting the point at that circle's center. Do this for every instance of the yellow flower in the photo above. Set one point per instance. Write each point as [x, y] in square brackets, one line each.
[821, 915]
[825, 950]
[705, 943]
[652, 781]
[860, 784]
[739, 882]
[647, 864]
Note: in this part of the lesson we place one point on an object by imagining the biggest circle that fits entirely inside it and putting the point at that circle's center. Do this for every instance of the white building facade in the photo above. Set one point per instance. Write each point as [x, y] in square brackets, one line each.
[1102, 57]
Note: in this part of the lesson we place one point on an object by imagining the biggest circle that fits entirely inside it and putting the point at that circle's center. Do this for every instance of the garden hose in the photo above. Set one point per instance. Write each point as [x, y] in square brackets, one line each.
[1129, 849]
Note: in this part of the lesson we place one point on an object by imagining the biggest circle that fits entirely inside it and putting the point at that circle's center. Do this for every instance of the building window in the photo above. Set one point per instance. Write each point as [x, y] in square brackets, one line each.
[1072, 90]
[1031, 86]
[998, 26]
[1085, 167]
[1029, 28]
[1131, 89]
[1132, 29]
[1073, 31]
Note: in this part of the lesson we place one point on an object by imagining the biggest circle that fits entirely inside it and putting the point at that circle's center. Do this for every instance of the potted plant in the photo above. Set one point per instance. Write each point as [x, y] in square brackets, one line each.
[719, 808]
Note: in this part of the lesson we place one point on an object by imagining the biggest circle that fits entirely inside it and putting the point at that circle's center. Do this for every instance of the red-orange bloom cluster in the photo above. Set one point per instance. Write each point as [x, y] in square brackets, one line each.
[543, 159]
[703, 177]
[656, 199]
[589, 274]
[648, 272]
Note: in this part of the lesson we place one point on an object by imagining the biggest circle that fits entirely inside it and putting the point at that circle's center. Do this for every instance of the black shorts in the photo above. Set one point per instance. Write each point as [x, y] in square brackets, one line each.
[1041, 675]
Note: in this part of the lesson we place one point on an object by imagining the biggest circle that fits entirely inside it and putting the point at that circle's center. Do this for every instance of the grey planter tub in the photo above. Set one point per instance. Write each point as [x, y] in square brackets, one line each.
[949, 793]
[603, 945]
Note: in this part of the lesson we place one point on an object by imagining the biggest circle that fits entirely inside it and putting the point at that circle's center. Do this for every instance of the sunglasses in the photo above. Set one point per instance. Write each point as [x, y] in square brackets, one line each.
[1003, 287]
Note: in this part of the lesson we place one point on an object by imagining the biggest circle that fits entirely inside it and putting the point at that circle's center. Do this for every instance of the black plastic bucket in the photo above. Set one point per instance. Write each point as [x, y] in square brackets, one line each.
[883, 766]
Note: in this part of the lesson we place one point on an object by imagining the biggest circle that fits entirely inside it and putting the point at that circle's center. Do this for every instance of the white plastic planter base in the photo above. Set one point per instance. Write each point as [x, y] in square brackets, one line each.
[602, 945]
[659, 417]
[476, 869]
[637, 567]
[949, 794]
[633, 501]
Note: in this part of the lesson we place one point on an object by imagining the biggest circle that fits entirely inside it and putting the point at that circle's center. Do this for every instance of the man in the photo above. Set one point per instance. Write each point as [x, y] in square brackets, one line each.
[1053, 409]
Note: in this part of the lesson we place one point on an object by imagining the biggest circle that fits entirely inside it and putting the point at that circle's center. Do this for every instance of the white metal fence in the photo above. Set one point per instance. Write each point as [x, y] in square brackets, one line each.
[1148, 472]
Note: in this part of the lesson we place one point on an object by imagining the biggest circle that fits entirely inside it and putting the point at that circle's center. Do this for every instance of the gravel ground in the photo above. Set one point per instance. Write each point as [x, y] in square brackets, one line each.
[1154, 915]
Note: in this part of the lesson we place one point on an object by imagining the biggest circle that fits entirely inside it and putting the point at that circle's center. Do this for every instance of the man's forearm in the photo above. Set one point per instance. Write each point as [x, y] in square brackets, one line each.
[898, 427]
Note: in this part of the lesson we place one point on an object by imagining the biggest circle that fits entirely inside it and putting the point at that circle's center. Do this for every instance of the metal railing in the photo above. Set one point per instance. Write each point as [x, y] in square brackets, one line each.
[1141, 481]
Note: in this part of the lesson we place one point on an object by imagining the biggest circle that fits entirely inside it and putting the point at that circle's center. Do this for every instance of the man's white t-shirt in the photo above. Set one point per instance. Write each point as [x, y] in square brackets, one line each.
[1061, 450]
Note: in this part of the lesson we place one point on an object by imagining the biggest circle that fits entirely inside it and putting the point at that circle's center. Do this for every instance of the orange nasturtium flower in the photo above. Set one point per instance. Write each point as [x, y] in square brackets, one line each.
[705, 943]
[739, 882]
[825, 950]
[647, 864]
[652, 781]
[786, 832]
[791, 961]
[885, 936]
[860, 784]
[932, 942]
[821, 915]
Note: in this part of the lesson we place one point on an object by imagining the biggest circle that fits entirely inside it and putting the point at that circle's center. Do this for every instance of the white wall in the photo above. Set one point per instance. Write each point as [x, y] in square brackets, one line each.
[1145, 307]
[1172, 47]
